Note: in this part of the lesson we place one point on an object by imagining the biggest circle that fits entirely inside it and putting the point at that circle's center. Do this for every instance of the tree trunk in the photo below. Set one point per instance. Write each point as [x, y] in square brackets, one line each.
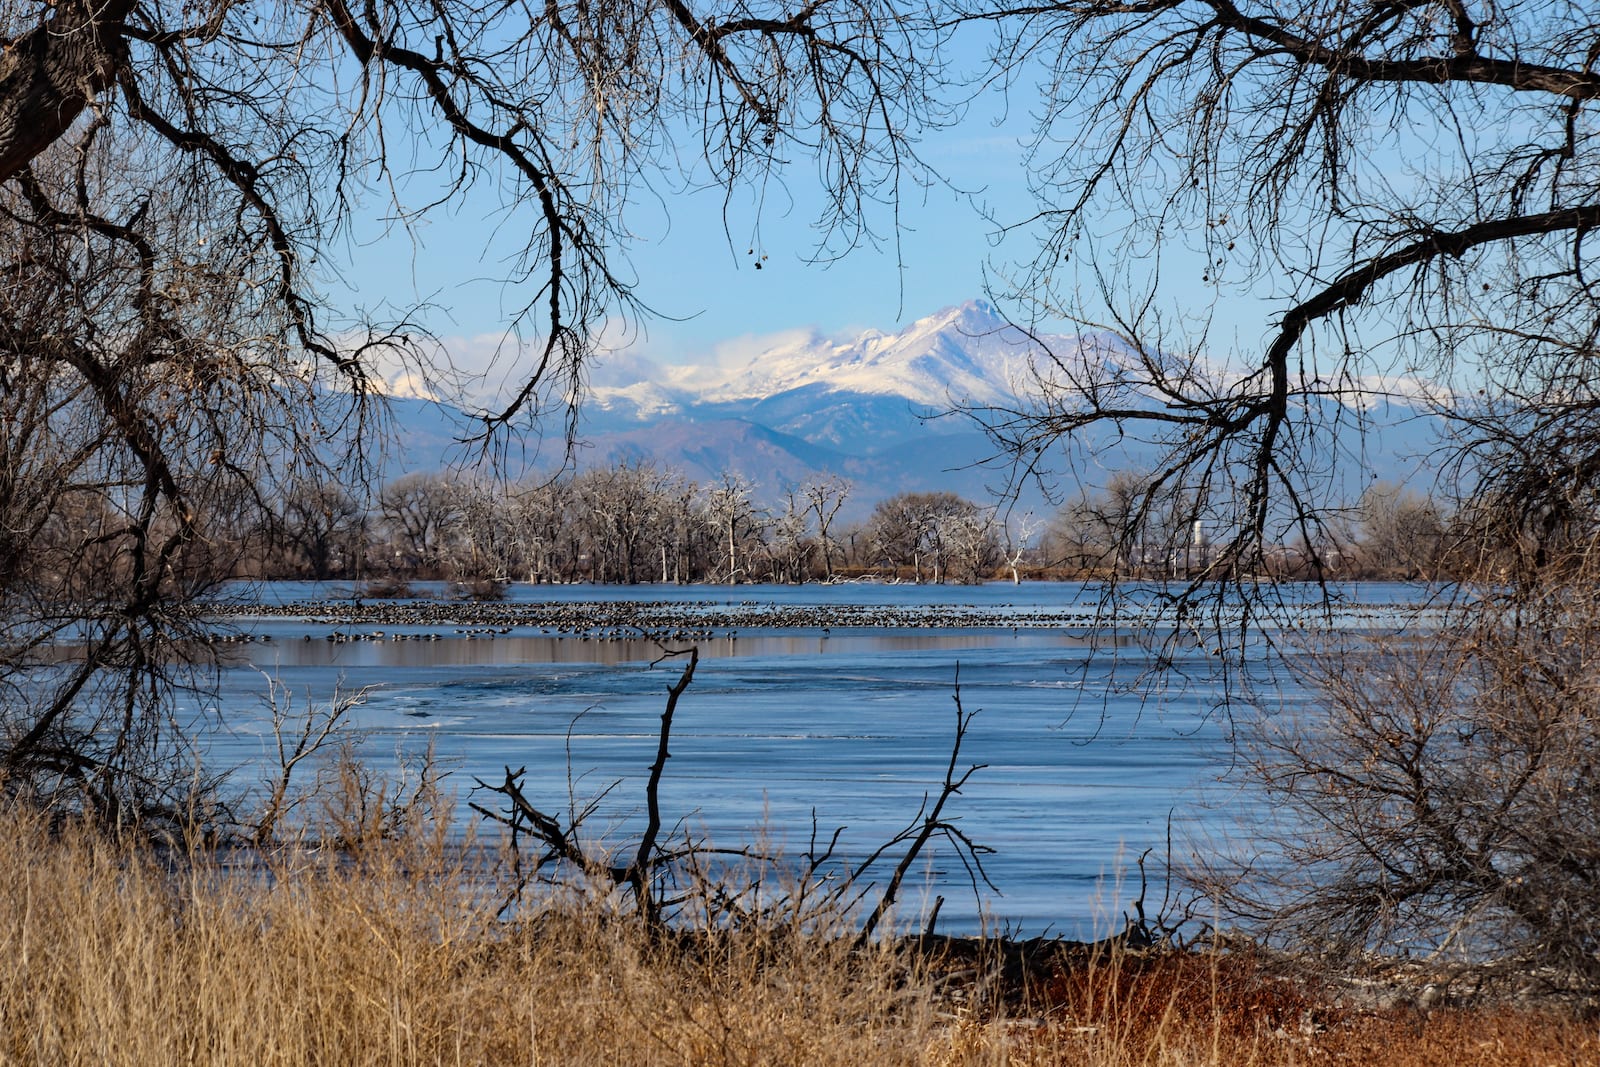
[49, 75]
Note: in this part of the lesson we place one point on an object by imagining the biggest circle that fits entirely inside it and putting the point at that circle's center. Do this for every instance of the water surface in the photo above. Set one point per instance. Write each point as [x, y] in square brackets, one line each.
[1092, 749]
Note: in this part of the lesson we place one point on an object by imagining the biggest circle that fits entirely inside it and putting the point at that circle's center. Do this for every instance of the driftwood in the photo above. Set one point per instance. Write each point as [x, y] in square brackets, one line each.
[818, 885]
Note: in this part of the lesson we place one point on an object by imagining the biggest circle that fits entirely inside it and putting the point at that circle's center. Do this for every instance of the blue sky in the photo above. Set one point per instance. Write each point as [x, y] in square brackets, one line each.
[692, 262]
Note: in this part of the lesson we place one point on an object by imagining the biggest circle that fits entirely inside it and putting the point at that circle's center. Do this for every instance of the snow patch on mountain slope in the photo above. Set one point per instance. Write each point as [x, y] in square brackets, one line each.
[966, 354]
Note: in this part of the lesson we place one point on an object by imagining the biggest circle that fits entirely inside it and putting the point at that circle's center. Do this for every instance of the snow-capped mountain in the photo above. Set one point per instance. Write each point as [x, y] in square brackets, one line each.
[882, 409]
[961, 354]
[966, 353]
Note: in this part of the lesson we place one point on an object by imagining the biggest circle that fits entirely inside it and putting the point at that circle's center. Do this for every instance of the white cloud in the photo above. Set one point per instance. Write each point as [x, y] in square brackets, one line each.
[738, 352]
[409, 385]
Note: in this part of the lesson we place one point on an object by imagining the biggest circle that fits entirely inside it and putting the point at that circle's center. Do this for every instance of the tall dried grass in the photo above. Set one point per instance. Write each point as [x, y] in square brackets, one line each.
[397, 956]
[393, 952]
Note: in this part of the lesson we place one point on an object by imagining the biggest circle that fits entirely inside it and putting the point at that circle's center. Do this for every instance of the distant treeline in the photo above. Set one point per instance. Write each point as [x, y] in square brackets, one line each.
[622, 524]
[639, 522]
[647, 523]
[1390, 533]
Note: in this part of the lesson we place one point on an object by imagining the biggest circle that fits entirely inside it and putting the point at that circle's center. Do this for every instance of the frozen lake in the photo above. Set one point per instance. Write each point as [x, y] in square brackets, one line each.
[853, 724]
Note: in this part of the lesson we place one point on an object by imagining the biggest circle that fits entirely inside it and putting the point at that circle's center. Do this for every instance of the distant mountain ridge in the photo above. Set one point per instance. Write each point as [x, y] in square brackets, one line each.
[966, 351]
[874, 408]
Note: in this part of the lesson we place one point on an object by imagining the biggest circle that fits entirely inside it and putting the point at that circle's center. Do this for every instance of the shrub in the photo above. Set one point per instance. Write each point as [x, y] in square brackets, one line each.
[388, 589]
[1441, 792]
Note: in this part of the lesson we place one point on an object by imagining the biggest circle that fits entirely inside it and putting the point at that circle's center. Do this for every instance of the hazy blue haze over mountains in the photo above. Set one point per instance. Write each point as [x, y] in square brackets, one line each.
[874, 409]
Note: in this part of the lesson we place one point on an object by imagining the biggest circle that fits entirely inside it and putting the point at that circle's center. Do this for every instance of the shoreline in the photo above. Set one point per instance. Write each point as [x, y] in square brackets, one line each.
[704, 618]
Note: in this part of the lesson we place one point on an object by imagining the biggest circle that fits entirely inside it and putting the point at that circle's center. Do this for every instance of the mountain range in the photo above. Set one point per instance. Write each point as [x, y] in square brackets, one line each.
[883, 410]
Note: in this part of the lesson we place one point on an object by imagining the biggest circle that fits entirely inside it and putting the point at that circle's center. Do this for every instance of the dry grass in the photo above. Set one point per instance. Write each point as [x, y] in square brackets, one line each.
[1196, 1009]
[396, 956]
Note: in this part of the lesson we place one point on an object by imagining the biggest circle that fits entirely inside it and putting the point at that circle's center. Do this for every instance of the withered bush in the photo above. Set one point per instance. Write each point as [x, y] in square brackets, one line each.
[1438, 793]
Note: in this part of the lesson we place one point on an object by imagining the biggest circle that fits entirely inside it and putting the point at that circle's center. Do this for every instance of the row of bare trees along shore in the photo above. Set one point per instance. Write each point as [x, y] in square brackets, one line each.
[638, 522]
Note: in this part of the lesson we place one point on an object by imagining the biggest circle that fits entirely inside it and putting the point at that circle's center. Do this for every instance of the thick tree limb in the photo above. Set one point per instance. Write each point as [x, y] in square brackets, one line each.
[49, 75]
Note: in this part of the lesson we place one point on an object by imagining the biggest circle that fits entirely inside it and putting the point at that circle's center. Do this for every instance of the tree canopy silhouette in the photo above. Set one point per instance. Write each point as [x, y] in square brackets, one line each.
[174, 183]
[1408, 189]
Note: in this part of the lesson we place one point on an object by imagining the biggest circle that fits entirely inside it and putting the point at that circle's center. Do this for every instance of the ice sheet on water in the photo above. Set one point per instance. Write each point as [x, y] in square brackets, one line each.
[1082, 774]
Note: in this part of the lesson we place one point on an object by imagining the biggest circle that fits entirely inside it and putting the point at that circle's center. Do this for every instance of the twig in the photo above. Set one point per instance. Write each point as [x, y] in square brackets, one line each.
[639, 872]
[933, 823]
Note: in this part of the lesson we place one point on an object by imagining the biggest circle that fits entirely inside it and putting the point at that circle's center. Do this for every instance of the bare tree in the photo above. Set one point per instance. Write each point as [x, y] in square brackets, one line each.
[1312, 158]
[684, 537]
[972, 541]
[1121, 529]
[417, 512]
[485, 547]
[1076, 539]
[933, 530]
[145, 415]
[792, 545]
[1402, 533]
[1439, 794]
[278, 117]
[667, 875]
[1018, 544]
[824, 498]
[539, 515]
[323, 527]
[625, 511]
[738, 521]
